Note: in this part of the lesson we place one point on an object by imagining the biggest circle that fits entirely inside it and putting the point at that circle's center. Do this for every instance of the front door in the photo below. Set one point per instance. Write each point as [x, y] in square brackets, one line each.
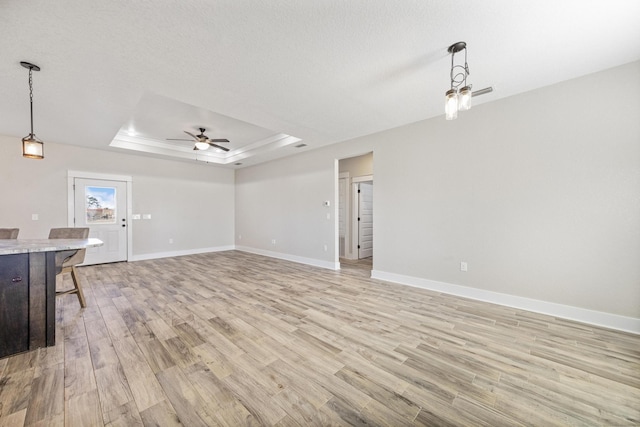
[101, 205]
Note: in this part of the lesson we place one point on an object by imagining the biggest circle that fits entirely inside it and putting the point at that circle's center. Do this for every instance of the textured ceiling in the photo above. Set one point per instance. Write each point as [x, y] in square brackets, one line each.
[258, 71]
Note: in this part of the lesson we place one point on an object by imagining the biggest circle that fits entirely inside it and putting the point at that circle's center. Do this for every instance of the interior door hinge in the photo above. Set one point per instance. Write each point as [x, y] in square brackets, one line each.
[358, 246]
[358, 218]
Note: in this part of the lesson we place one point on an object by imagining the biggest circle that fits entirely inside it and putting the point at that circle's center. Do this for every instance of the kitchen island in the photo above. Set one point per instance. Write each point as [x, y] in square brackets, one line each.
[28, 269]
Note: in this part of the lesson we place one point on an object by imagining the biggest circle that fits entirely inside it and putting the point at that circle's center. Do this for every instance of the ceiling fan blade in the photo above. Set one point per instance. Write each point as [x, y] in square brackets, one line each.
[218, 140]
[220, 147]
[195, 149]
[192, 135]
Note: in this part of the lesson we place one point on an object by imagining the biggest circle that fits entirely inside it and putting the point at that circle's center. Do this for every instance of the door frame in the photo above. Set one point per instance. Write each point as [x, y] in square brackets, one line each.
[72, 175]
[347, 215]
[354, 220]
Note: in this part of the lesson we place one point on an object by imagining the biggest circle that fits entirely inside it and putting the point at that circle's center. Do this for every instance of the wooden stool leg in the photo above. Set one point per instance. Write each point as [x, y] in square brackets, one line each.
[76, 282]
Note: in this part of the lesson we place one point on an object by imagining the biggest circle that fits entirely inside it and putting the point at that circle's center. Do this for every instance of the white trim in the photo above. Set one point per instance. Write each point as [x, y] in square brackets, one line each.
[150, 145]
[95, 175]
[347, 212]
[294, 258]
[592, 317]
[156, 255]
[362, 178]
[72, 175]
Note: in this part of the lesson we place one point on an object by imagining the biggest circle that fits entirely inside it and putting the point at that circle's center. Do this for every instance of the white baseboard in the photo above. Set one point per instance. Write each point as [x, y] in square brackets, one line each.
[592, 317]
[301, 260]
[156, 255]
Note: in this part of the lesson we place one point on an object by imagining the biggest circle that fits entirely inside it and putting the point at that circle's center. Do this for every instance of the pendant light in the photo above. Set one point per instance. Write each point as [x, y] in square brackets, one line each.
[32, 147]
[455, 98]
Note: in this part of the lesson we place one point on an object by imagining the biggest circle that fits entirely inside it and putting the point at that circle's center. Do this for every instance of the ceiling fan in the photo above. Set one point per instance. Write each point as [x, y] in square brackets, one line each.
[202, 141]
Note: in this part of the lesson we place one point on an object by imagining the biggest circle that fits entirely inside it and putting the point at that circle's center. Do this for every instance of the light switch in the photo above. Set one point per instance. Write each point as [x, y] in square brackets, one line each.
[146, 216]
[327, 203]
[135, 216]
[34, 217]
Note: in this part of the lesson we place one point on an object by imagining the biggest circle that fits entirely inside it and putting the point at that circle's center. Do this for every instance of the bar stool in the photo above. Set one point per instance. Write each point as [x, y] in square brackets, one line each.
[69, 264]
[9, 233]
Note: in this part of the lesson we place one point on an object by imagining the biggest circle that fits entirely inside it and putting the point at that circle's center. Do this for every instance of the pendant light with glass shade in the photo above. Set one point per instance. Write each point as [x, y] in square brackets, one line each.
[32, 147]
[457, 98]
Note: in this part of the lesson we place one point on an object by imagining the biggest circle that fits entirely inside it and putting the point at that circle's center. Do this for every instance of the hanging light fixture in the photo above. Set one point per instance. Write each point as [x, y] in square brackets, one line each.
[457, 98]
[202, 145]
[32, 147]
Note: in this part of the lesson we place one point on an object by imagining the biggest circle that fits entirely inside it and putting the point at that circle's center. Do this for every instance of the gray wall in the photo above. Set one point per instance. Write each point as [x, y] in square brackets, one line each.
[189, 202]
[538, 193]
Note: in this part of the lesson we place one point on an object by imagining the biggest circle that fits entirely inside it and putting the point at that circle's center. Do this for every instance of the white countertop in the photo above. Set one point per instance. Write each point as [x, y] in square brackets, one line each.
[21, 246]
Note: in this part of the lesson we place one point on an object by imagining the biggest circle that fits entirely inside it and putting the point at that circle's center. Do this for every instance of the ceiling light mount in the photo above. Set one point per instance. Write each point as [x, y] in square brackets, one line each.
[32, 147]
[457, 47]
[458, 97]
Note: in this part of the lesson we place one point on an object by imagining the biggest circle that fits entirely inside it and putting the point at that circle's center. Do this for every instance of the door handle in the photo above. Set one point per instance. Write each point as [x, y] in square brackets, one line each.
[124, 225]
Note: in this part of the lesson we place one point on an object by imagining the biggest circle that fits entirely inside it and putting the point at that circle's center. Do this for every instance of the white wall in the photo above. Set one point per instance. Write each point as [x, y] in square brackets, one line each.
[189, 202]
[538, 193]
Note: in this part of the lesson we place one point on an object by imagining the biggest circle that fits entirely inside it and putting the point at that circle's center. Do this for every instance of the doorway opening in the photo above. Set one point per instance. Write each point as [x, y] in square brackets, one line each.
[355, 214]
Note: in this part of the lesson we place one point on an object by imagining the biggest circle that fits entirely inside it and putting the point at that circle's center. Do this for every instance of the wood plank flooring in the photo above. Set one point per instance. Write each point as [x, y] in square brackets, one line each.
[236, 339]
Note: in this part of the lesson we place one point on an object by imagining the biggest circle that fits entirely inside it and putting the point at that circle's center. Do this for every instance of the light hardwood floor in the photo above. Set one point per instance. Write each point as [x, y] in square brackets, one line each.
[237, 339]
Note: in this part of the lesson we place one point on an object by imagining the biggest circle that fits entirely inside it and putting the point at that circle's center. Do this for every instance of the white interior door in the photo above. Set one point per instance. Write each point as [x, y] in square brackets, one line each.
[101, 205]
[365, 219]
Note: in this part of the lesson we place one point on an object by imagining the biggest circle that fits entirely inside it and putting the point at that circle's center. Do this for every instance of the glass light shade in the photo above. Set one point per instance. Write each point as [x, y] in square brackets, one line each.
[464, 98]
[451, 104]
[202, 145]
[32, 147]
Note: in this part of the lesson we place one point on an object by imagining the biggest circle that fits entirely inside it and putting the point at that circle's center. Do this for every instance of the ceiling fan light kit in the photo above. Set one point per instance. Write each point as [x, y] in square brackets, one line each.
[32, 147]
[202, 145]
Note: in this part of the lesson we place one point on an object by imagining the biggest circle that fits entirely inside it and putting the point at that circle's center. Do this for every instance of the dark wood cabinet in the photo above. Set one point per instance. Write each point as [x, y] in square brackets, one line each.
[28, 271]
[14, 304]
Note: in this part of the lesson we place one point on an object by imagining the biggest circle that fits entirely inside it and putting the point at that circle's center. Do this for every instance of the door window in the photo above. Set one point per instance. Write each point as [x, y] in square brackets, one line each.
[100, 205]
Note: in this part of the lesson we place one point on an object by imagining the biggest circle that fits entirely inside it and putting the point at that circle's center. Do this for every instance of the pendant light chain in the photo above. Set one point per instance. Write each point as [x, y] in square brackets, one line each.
[31, 96]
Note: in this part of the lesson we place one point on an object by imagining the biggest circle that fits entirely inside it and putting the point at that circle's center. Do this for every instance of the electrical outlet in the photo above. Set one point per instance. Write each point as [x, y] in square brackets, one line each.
[326, 248]
[34, 217]
[170, 241]
[273, 242]
[463, 266]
